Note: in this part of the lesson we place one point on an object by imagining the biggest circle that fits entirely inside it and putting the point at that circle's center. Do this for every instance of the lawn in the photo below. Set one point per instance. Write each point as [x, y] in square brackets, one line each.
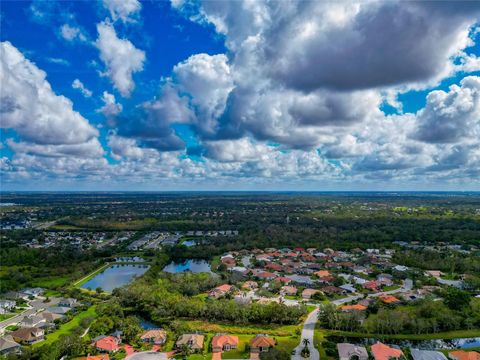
[67, 327]
[51, 282]
[273, 330]
[6, 316]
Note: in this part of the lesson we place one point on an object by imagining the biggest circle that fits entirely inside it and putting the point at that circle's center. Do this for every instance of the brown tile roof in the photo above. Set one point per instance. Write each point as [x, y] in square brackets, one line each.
[262, 341]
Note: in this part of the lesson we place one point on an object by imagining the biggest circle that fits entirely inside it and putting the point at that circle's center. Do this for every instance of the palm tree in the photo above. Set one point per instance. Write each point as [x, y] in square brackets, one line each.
[306, 342]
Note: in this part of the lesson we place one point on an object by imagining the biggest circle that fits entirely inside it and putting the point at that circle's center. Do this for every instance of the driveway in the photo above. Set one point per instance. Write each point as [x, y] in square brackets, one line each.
[307, 333]
[407, 286]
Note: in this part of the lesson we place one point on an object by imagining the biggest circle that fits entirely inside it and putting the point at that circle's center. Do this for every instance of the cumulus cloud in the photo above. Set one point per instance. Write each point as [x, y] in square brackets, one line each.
[121, 58]
[110, 107]
[125, 10]
[451, 116]
[72, 33]
[29, 105]
[77, 84]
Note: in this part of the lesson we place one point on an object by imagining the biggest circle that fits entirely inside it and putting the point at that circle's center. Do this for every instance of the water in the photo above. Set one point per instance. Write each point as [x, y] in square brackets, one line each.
[462, 343]
[147, 324]
[189, 243]
[195, 266]
[115, 276]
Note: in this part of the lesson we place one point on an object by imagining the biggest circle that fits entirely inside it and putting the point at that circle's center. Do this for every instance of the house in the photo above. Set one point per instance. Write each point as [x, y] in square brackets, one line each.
[59, 310]
[6, 306]
[381, 351]
[434, 273]
[389, 299]
[261, 343]
[348, 287]
[348, 351]
[371, 285]
[224, 343]
[35, 292]
[154, 336]
[385, 279]
[464, 355]
[322, 273]
[96, 357]
[265, 275]
[229, 262]
[427, 355]
[33, 321]
[28, 335]
[242, 299]
[220, 291]
[351, 308]
[107, 343]
[250, 285]
[67, 302]
[193, 341]
[333, 290]
[288, 290]
[274, 267]
[9, 345]
[283, 280]
[51, 317]
[308, 293]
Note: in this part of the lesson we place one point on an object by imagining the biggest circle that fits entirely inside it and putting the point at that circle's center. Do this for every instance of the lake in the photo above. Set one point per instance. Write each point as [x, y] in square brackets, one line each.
[115, 276]
[195, 266]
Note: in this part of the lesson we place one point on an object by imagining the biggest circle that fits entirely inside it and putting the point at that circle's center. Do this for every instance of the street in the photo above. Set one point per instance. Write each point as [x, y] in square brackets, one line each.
[307, 333]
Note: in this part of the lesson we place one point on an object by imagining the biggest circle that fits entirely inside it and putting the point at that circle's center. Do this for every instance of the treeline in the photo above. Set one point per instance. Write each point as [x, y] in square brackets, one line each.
[454, 262]
[457, 312]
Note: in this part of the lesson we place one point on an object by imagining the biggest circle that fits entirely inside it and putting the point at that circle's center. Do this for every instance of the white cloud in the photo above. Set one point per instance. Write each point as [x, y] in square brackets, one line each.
[77, 84]
[72, 33]
[110, 108]
[120, 57]
[32, 109]
[125, 10]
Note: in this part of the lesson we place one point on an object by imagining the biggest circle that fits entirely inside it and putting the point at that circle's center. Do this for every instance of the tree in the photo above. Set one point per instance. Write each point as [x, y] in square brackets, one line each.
[456, 299]
[274, 354]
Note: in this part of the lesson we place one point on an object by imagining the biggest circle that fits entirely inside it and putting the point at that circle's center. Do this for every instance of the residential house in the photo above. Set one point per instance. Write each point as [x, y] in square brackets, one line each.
[35, 292]
[288, 290]
[352, 308]
[385, 279]
[67, 302]
[96, 357]
[250, 285]
[59, 310]
[464, 355]
[6, 306]
[427, 355]
[348, 351]
[51, 317]
[33, 321]
[242, 299]
[265, 275]
[389, 299]
[220, 291]
[274, 267]
[308, 293]
[348, 287]
[371, 285]
[283, 280]
[224, 343]
[8, 345]
[108, 344]
[28, 335]
[434, 273]
[154, 336]
[333, 290]
[261, 343]
[381, 351]
[193, 341]
[229, 262]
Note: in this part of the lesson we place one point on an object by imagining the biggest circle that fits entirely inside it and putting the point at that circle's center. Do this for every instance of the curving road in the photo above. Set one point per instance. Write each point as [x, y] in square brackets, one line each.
[307, 333]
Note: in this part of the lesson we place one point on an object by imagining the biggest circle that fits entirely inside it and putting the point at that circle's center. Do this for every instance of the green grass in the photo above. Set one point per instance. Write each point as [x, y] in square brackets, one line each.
[51, 282]
[83, 280]
[273, 330]
[6, 316]
[67, 327]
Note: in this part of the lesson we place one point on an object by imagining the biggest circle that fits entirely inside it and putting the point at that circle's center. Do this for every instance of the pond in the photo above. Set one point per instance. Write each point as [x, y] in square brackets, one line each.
[462, 343]
[115, 276]
[147, 324]
[189, 243]
[195, 266]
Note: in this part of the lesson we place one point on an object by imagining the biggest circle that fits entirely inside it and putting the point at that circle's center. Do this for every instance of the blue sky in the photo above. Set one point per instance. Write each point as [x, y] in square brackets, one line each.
[192, 95]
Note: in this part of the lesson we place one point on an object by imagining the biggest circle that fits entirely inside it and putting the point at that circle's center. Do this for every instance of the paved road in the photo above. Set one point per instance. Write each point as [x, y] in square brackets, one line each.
[34, 307]
[407, 286]
[307, 333]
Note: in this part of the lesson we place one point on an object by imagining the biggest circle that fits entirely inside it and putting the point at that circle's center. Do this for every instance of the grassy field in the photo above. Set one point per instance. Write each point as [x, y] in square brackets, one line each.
[67, 327]
[83, 280]
[6, 316]
[273, 330]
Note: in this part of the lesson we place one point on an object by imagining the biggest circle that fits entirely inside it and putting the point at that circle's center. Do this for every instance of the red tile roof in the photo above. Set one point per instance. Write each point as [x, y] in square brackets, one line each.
[108, 343]
[381, 351]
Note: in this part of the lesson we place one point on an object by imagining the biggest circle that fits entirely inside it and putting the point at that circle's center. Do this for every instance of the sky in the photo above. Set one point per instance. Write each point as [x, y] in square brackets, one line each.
[240, 95]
